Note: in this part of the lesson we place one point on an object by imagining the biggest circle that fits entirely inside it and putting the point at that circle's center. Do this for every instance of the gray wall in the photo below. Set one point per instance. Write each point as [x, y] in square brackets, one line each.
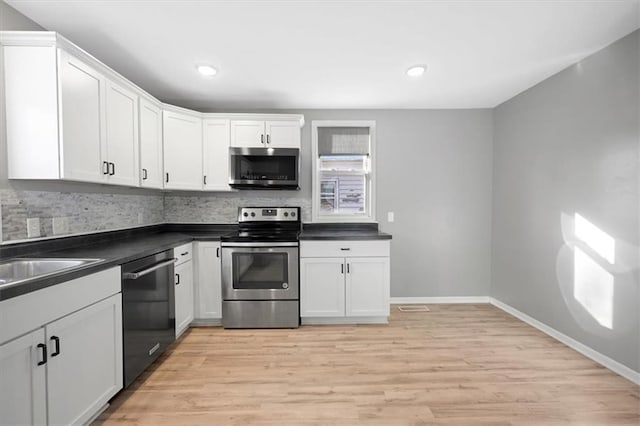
[571, 145]
[433, 172]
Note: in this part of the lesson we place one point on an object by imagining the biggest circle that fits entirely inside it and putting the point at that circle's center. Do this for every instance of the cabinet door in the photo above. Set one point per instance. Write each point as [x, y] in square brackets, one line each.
[81, 103]
[248, 133]
[215, 140]
[283, 134]
[122, 135]
[150, 126]
[85, 361]
[182, 143]
[23, 381]
[184, 296]
[367, 286]
[322, 287]
[208, 289]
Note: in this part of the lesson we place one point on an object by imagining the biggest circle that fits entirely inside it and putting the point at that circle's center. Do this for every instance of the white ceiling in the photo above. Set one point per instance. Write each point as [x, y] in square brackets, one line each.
[337, 54]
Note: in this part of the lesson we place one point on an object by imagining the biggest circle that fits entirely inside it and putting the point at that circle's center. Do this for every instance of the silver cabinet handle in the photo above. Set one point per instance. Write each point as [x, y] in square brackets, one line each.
[136, 275]
[345, 249]
[348, 271]
[267, 139]
[262, 138]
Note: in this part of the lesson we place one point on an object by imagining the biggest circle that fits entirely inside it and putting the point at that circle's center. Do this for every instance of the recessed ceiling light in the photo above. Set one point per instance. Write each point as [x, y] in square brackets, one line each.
[416, 71]
[207, 70]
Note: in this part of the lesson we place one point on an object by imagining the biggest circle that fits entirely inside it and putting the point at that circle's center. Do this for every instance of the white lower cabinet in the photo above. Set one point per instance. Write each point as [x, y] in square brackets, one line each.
[338, 288]
[23, 394]
[208, 289]
[322, 287]
[84, 368]
[367, 287]
[65, 370]
[184, 300]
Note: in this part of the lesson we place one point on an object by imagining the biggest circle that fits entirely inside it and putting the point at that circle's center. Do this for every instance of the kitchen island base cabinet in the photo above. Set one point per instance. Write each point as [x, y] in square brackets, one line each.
[64, 372]
[337, 288]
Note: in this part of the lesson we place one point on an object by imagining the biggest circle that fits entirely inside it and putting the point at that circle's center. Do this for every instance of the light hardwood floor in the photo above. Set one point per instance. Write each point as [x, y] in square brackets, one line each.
[457, 365]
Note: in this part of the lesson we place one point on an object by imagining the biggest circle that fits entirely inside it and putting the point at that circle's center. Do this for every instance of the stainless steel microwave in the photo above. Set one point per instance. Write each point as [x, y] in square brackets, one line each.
[264, 168]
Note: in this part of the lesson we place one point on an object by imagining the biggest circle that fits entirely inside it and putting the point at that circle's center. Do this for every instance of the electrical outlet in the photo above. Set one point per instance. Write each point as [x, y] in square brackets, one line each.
[390, 217]
[33, 227]
[60, 225]
[140, 218]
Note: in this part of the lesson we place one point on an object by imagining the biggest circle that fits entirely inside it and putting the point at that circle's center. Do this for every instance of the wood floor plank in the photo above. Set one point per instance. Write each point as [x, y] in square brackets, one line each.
[455, 364]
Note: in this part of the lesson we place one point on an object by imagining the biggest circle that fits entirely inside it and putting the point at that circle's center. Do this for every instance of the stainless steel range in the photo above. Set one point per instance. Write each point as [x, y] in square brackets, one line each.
[260, 276]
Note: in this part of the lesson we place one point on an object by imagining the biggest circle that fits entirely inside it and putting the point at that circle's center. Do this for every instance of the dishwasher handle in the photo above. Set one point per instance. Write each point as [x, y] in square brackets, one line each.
[136, 275]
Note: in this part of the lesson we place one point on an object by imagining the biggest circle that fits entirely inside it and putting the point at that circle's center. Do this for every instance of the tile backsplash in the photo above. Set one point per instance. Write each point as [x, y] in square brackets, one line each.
[80, 213]
[223, 208]
[75, 213]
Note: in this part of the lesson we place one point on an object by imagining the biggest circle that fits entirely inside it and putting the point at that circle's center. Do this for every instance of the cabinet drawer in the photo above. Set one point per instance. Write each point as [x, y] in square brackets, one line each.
[183, 253]
[25, 313]
[358, 248]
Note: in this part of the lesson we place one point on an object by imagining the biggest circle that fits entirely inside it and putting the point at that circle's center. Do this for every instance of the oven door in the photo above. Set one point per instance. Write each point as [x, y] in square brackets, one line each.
[251, 271]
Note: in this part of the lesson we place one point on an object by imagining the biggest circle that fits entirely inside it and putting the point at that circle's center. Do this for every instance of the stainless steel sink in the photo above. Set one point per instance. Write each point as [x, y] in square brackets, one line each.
[16, 271]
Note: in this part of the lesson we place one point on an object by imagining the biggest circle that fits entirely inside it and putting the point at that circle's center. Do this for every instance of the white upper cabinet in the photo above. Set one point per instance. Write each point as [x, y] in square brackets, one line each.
[150, 125]
[182, 135]
[66, 119]
[215, 148]
[265, 134]
[122, 135]
[282, 134]
[71, 117]
[247, 134]
[81, 113]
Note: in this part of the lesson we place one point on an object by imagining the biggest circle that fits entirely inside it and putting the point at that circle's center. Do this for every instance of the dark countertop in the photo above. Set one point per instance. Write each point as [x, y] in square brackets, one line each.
[114, 251]
[119, 247]
[339, 231]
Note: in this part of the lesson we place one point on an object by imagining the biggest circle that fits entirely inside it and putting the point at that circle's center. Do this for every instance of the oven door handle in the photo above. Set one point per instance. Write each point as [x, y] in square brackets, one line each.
[136, 275]
[274, 244]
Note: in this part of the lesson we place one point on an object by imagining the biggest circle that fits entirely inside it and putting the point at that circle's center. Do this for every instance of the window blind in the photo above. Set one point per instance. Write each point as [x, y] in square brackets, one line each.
[343, 141]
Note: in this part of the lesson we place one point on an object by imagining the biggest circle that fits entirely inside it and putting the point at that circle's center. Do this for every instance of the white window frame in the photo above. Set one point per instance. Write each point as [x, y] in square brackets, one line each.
[315, 189]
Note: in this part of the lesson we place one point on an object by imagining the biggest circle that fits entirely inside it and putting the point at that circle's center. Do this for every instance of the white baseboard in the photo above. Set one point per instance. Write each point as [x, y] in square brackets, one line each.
[435, 300]
[585, 350]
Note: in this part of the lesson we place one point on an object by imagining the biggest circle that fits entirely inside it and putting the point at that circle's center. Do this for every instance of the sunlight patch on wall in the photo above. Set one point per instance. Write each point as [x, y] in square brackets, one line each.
[593, 288]
[595, 238]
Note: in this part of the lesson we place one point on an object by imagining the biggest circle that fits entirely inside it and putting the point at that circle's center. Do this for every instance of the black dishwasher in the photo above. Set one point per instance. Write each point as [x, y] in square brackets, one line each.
[148, 311]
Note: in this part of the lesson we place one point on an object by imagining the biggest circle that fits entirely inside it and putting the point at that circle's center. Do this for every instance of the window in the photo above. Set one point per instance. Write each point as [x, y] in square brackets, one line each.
[343, 175]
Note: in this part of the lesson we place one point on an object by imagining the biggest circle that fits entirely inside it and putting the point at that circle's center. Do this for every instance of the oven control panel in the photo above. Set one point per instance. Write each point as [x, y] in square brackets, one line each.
[275, 214]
